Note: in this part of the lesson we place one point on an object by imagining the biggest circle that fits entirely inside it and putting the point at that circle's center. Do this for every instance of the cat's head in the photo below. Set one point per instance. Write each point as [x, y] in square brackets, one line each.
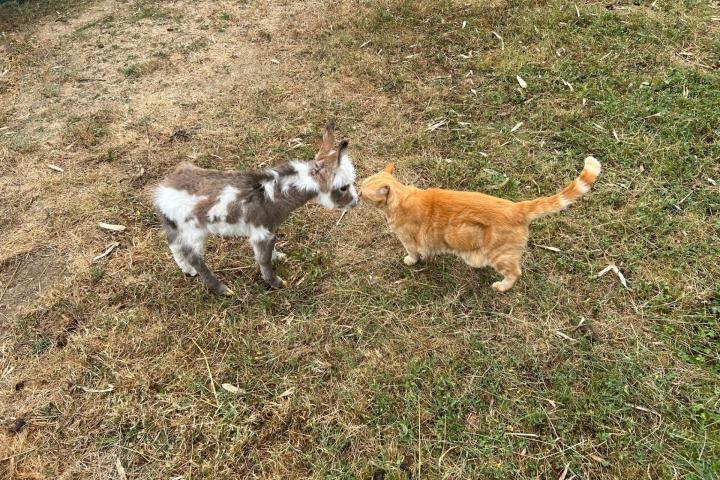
[334, 173]
[378, 188]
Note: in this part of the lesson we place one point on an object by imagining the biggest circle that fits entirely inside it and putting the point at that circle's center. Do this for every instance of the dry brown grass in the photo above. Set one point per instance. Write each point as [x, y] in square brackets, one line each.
[363, 368]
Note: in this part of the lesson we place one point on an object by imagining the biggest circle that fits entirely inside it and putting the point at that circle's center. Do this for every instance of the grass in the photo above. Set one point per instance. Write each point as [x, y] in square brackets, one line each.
[365, 368]
[18, 13]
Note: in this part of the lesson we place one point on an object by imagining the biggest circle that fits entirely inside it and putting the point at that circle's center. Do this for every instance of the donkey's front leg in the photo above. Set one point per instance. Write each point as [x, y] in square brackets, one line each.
[263, 249]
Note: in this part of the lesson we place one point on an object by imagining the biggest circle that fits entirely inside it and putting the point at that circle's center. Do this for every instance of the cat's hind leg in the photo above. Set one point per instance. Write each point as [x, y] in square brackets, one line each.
[508, 266]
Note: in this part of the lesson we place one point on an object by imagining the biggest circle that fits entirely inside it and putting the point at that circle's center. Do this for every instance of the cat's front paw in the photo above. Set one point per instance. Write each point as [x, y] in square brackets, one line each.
[277, 283]
[501, 286]
[409, 260]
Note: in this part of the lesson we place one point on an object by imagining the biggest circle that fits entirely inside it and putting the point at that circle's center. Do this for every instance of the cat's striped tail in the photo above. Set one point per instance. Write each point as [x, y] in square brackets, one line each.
[533, 209]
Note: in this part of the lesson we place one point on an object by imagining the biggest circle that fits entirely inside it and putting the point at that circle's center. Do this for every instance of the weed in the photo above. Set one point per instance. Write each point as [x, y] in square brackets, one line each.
[97, 273]
[89, 130]
[131, 71]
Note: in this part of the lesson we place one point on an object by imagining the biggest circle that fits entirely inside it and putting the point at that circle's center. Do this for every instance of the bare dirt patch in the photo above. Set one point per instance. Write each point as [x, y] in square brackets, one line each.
[26, 276]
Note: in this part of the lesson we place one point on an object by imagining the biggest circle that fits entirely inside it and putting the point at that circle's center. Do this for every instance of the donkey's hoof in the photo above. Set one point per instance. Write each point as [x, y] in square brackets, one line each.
[277, 283]
[188, 270]
[278, 256]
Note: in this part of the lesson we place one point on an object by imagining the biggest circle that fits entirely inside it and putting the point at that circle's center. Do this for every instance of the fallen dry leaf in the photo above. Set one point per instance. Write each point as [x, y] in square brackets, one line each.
[616, 271]
[229, 387]
[521, 434]
[565, 472]
[110, 226]
[287, 392]
[518, 125]
[120, 470]
[646, 410]
[523, 83]
[499, 185]
[435, 126]
[55, 167]
[552, 249]
[109, 388]
[342, 215]
[107, 251]
[566, 337]
[502, 42]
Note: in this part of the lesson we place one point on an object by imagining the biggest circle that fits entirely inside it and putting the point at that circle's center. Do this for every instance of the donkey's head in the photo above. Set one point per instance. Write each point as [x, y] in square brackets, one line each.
[334, 173]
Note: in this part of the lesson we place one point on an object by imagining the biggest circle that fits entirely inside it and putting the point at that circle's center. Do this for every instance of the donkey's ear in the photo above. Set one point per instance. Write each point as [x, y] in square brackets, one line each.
[326, 150]
[328, 137]
[342, 152]
[389, 168]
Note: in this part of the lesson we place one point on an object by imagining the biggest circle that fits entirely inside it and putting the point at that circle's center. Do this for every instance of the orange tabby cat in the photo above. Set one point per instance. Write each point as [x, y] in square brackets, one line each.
[481, 229]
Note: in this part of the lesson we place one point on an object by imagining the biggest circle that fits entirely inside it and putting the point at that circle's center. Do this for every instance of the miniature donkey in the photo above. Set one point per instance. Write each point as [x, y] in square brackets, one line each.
[193, 202]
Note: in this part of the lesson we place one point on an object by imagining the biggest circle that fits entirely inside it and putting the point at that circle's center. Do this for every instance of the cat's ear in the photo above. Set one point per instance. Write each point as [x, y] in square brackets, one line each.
[376, 192]
[382, 195]
[389, 168]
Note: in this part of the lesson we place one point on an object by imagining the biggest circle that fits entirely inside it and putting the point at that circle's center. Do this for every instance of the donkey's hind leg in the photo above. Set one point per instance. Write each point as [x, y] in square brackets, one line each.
[194, 257]
[172, 234]
[188, 250]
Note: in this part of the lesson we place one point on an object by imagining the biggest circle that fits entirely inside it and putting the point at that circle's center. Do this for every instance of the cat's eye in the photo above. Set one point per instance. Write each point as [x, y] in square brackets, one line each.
[344, 189]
